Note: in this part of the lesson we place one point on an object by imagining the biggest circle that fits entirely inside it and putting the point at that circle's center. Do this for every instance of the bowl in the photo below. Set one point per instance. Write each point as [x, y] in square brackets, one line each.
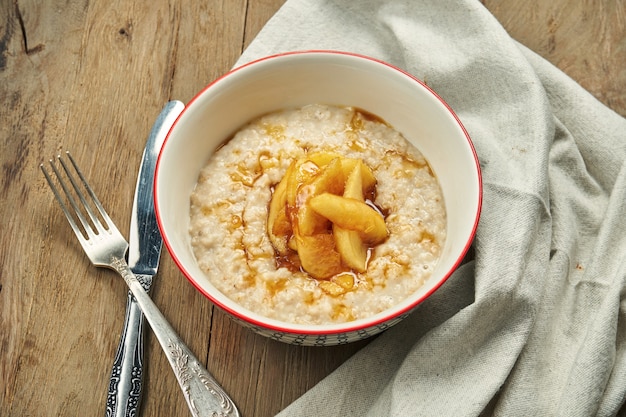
[292, 80]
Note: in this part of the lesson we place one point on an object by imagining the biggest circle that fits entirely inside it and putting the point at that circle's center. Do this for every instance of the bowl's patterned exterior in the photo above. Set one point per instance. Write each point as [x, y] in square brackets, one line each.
[329, 339]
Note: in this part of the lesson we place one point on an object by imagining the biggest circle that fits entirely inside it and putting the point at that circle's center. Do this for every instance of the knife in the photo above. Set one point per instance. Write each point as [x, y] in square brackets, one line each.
[126, 382]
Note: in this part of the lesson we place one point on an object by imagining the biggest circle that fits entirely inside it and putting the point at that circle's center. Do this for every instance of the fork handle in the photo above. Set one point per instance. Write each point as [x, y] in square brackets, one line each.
[126, 381]
[204, 396]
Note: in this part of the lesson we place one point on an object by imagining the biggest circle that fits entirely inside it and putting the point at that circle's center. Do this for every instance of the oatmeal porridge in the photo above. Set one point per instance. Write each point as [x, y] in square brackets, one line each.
[317, 215]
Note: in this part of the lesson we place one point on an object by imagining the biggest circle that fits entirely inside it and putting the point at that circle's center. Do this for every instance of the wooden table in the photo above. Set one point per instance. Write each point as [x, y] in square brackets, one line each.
[91, 77]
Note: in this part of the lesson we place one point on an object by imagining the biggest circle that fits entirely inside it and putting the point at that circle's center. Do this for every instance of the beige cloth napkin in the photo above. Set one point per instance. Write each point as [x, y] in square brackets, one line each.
[535, 325]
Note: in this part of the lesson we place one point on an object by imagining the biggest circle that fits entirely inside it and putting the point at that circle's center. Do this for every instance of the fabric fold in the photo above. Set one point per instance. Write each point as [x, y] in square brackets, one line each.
[535, 325]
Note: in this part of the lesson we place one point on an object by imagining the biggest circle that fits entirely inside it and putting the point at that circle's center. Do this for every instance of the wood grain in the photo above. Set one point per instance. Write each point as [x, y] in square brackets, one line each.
[91, 77]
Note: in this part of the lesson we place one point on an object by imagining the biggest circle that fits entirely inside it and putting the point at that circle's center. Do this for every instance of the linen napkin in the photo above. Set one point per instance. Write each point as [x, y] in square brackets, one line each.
[535, 323]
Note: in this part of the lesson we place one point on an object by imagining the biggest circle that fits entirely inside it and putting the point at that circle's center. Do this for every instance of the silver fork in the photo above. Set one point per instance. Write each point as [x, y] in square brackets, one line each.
[106, 247]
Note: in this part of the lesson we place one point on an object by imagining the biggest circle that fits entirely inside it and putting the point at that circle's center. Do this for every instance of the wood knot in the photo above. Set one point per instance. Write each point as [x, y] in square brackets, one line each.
[126, 31]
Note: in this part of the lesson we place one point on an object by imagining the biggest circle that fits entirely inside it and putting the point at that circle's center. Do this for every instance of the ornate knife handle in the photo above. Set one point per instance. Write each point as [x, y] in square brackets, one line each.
[204, 395]
[126, 381]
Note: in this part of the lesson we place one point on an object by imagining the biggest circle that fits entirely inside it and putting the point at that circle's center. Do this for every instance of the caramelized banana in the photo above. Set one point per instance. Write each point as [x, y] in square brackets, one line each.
[278, 224]
[318, 210]
[349, 243]
[318, 255]
[351, 214]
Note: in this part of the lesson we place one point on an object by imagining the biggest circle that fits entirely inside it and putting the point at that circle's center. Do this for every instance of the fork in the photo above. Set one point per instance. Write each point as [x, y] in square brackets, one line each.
[106, 247]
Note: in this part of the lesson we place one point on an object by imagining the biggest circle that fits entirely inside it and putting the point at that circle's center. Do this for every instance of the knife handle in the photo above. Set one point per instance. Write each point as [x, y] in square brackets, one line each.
[126, 382]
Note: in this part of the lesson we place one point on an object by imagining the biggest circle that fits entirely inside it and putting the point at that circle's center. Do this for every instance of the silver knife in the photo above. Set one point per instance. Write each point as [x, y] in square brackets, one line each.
[126, 382]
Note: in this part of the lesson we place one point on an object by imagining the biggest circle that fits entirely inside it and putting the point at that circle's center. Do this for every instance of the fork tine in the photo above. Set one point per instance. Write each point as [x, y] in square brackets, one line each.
[109, 225]
[57, 195]
[79, 213]
[101, 240]
[81, 196]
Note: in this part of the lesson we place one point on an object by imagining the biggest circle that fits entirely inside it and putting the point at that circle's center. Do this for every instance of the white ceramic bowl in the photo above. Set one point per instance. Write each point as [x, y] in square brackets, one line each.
[327, 77]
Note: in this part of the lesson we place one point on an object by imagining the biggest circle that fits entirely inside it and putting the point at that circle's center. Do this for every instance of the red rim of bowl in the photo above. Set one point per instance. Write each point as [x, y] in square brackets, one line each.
[347, 327]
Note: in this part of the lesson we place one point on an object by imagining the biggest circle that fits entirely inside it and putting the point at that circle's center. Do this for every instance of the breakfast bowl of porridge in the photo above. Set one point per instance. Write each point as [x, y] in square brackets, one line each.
[317, 197]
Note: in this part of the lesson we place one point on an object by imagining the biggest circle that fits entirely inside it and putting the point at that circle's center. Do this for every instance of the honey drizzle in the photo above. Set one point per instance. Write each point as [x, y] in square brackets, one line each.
[247, 177]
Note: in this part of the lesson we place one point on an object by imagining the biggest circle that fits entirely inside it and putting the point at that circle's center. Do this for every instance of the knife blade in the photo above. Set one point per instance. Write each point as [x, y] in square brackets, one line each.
[126, 381]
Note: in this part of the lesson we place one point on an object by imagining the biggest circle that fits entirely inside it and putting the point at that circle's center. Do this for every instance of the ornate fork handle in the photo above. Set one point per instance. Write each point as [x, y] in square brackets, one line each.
[194, 380]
